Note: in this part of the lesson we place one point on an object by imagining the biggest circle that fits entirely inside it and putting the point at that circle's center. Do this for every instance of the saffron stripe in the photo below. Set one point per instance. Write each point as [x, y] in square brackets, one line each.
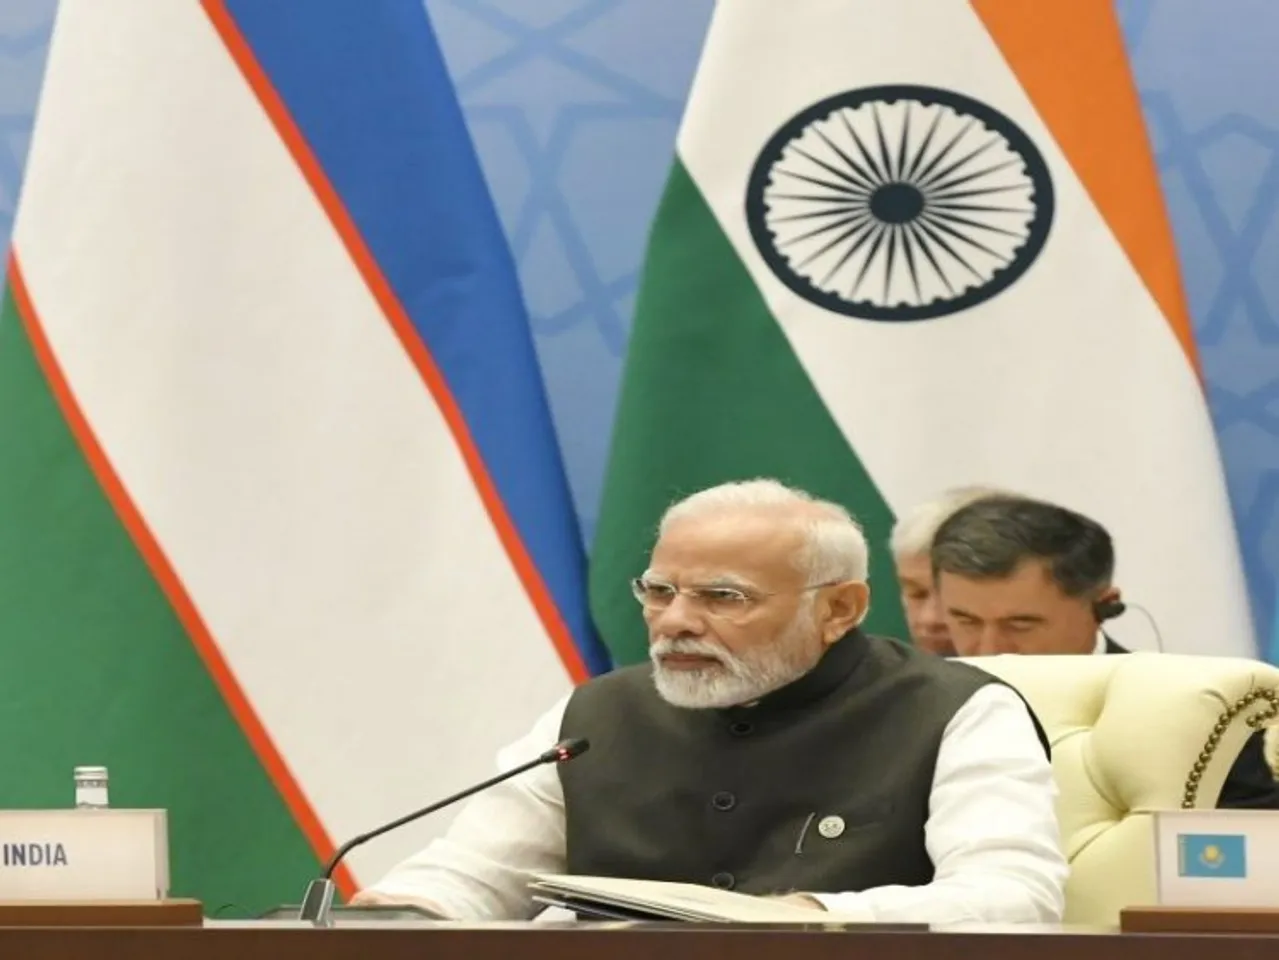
[1070, 58]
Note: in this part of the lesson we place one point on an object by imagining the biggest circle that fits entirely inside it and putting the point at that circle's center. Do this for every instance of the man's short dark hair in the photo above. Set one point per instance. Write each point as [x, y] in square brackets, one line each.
[991, 537]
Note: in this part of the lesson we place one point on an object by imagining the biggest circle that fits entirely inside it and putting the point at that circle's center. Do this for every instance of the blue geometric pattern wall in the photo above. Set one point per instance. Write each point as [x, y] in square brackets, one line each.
[574, 104]
[1206, 74]
[25, 26]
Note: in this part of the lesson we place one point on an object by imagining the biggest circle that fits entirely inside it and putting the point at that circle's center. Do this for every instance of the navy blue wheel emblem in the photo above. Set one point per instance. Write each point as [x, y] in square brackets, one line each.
[899, 203]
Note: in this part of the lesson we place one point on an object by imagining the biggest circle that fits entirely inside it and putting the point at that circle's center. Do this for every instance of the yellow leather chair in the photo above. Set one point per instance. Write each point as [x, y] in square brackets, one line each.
[1132, 734]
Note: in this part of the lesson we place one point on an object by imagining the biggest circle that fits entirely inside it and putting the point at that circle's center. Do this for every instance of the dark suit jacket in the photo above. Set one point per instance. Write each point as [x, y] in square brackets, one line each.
[1251, 784]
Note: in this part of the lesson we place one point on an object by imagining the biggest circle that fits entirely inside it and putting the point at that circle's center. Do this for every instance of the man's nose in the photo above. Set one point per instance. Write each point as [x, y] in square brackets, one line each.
[930, 616]
[683, 616]
[993, 641]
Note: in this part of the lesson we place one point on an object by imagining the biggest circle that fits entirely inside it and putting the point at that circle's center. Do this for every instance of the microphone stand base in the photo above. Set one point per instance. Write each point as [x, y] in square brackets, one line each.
[317, 903]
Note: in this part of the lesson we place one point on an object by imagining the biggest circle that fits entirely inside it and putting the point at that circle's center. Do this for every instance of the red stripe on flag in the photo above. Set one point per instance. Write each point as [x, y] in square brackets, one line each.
[398, 318]
[170, 583]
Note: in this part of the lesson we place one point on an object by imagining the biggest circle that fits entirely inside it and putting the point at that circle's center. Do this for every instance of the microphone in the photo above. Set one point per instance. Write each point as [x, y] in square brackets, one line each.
[1105, 610]
[317, 902]
[1109, 609]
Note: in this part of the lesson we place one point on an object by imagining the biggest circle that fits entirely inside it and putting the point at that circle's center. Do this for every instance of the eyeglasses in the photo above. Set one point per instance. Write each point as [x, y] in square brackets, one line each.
[714, 601]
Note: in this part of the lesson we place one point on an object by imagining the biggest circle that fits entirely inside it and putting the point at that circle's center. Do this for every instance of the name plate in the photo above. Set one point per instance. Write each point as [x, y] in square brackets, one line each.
[73, 855]
[1217, 858]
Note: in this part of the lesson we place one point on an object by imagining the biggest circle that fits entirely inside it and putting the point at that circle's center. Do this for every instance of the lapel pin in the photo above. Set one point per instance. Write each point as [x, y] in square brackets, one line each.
[830, 827]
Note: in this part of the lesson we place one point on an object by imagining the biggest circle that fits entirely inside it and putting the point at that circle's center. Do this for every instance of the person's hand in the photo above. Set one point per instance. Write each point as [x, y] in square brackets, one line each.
[799, 900]
[372, 898]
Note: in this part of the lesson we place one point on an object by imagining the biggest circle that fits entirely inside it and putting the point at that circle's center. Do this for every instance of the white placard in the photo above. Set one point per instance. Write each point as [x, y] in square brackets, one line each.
[84, 855]
[1217, 858]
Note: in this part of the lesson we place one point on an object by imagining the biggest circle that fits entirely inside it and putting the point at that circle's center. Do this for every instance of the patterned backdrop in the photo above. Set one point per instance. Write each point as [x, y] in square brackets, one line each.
[573, 105]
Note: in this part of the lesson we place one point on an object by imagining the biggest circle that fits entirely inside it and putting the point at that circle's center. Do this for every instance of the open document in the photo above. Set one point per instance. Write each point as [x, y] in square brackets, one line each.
[620, 899]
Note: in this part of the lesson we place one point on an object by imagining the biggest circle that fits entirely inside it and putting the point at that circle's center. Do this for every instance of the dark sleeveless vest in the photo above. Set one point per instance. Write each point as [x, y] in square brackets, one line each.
[823, 785]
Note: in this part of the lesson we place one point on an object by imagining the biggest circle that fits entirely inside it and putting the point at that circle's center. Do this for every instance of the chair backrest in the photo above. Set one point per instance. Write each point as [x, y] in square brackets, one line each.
[1131, 734]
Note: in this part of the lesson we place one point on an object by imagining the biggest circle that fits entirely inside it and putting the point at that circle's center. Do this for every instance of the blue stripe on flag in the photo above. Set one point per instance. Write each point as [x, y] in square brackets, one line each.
[366, 85]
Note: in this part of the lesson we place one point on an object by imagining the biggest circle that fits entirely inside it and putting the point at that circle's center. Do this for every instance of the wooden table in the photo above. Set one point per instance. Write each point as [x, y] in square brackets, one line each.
[284, 941]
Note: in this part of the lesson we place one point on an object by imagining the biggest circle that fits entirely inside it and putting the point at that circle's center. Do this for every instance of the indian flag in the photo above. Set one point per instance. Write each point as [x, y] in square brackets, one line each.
[286, 540]
[914, 244]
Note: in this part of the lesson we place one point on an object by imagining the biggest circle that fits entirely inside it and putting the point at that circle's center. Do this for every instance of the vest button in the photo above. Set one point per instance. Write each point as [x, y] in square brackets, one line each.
[741, 728]
[724, 880]
[723, 801]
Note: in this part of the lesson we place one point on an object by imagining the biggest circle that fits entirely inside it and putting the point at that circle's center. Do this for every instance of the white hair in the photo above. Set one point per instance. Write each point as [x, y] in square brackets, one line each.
[834, 546]
[737, 678]
[913, 533]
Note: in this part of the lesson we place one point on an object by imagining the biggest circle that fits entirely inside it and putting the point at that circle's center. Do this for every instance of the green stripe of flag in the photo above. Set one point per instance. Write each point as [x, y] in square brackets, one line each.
[95, 668]
[712, 391]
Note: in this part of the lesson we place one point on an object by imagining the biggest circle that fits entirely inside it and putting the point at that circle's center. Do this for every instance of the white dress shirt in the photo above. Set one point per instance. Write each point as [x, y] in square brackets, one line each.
[991, 833]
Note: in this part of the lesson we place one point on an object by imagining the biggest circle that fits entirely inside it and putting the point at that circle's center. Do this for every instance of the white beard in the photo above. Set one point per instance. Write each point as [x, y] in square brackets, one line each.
[735, 680]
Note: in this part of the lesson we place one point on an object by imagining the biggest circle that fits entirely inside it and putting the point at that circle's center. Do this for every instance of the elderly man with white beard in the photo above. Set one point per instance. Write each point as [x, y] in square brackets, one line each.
[770, 747]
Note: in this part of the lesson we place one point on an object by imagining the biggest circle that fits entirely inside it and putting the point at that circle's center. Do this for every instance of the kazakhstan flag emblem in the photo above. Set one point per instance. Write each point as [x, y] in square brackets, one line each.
[1212, 855]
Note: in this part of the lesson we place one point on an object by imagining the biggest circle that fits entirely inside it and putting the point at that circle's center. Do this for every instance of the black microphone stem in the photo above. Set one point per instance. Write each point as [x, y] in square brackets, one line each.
[317, 902]
[354, 842]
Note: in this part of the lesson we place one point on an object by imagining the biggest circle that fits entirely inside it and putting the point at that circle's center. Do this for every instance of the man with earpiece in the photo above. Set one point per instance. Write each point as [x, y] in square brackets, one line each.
[1018, 575]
